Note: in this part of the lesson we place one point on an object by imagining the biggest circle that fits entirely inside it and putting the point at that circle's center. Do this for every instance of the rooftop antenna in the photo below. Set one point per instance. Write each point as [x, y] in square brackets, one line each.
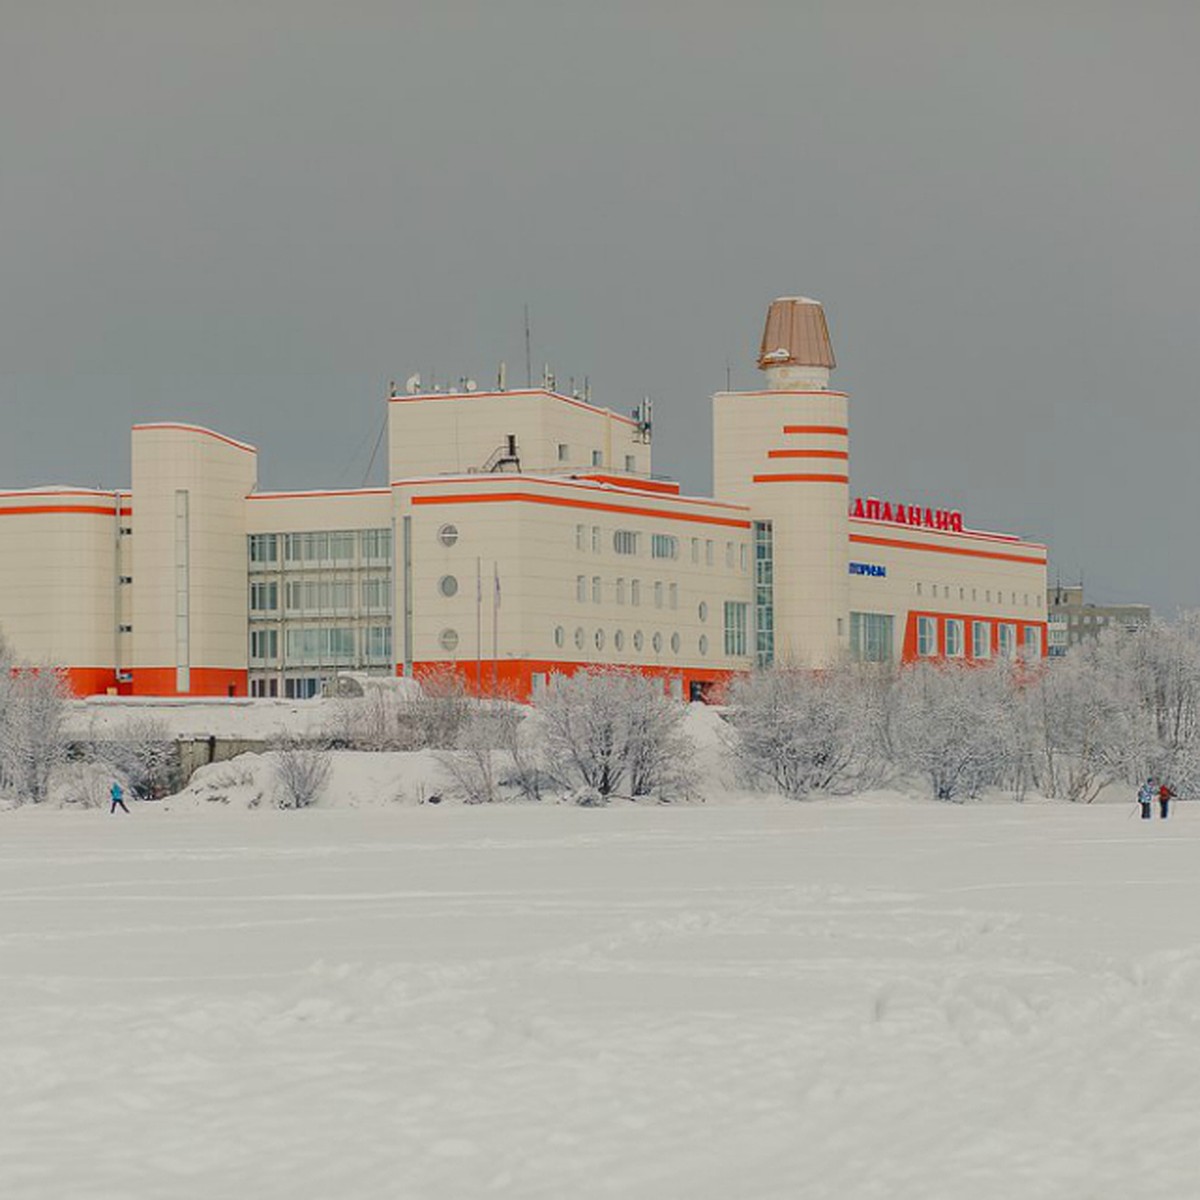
[528, 359]
[728, 376]
[412, 385]
[502, 377]
[587, 389]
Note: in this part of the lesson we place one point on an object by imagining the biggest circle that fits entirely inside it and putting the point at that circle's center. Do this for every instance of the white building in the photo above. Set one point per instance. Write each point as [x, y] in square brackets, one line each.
[522, 534]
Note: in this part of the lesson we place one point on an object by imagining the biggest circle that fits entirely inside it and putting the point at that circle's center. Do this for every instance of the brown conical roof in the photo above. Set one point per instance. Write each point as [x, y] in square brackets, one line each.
[796, 335]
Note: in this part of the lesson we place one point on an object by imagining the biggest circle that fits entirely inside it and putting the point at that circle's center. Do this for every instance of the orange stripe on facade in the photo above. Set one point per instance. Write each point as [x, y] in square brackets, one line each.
[833, 430]
[29, 510]
[898, 544]
[800, 478]
[566, 502]
[842, 454]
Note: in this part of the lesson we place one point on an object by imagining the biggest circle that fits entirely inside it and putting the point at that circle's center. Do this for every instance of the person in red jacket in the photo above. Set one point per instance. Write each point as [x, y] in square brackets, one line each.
[1164, 800]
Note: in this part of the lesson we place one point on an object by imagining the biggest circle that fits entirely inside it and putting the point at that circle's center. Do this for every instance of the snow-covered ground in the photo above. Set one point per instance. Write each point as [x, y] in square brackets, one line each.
[851, 1000]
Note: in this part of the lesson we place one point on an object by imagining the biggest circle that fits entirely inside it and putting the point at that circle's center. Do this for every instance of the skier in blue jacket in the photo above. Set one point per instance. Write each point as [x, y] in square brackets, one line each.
[1146, 795]
[118, 797]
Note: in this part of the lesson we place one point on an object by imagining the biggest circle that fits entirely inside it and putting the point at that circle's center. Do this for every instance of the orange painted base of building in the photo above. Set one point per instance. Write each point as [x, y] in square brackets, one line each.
[513, 677]
[205, 681]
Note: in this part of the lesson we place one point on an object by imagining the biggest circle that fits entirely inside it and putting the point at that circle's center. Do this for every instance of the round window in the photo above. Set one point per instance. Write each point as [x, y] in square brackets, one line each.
[619, 639]
[674, 643]
[599, 639]
[560, 636]
[580, 639]
[448, 640]
[703, 610]
[448, 585]
[704, 643]
[656, 642]
[448, 535]
[637, 639]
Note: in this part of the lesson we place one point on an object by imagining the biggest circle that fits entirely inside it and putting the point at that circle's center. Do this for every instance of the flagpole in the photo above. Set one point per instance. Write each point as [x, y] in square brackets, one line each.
[495, 624]
[478, 626]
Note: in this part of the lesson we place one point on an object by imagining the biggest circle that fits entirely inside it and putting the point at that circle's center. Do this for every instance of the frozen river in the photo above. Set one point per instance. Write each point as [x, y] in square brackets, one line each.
[839, 1000]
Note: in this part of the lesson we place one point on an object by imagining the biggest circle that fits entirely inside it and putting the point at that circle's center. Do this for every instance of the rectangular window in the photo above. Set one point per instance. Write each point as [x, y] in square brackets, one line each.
[954, 639]
[630, 463]
[264, 644]
[595, 539]
[673, 595]
[696, 551]
[301, 689]
[1033, 642]
[708, 552]
[341, 547]
[375, 593]
[377, 545]
[263, 547]
[625, 541]
[597, 458]
[264, 597]
[735, 628]
[378, 643]
[596, 589]
[635, 591]
[580, 537]
[1007, 643]
[871, 637]
[663, 545]
[581, 588]
[981, 639]
[331, 644]
[729, 555]
[764, 593]
[620, 591]
[658, 593]
[927, 640]
[564, 452]
[743, 559]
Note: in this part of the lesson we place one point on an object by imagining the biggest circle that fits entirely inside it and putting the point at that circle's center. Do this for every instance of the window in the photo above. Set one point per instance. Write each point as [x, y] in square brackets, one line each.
[620, 591]
[597, 594]
[656, 642]
[658, 593]
[599, 639]
[954, 639]
[448, 640]
[1007, 640]
[581, 588]
[263, 548]
[317, 596]
[264, 644]
[375, 592]
[580, 638]
[264, 597]
[597, 458]
[377, 544]
[580, 537]
[702, 610]
[918, 589]
[308, 547]
[448, 586]
[871, 637]
[743, 557]
[927, 639]
[560, 636]
[1033, 641]
[635, 591]
[341, 547]
[981, 639]
[595, 539]
[619, 640]
[735, 628]
[703, 644]
[448, 535]
[564, 452]
[675, 643]
[764, 594]
[637, 640]
[625, 541]
[125, 579]
[630, 463]
[962, 593]
[301, 689]
[378, 643]
[663, 545]
[708, 552]
[729, 555]
[673, 595]
[324, 644]
[696, 551]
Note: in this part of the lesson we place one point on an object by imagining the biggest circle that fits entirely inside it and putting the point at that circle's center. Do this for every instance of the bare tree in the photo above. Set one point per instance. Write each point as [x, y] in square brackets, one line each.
[141, 752]
[301, 771]
[32, 743]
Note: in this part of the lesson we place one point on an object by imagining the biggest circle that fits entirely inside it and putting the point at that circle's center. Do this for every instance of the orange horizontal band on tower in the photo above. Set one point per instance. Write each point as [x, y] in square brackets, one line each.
[567, 502]
[900, 544]
[35, 509]
[835, 430]
[843, 454]
[800, 478]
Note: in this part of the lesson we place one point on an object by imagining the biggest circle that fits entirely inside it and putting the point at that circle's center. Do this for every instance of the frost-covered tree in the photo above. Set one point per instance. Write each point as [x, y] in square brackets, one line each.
[614, 732]
[426, 717]
[32, 743]
[141, 752]
[301, 770]
[803, 731]
[479, 762]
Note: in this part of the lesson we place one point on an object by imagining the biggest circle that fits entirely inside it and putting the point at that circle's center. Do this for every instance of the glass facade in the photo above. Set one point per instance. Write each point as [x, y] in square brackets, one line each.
[871, 637]
[764, 594]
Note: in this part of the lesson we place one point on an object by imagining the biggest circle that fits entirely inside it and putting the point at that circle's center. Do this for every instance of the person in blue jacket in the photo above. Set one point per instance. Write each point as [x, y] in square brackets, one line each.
[118, 797]
[1146, 796]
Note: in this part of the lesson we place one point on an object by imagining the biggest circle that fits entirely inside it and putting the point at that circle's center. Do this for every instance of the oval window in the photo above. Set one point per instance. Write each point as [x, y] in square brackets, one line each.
[637, 639]
[448, 585]
[656, 642]
[560, 636]
[580, 639]
[702, 611]
[599, 639]
[619, 639]
[448, 535]
[448, 640]
[674, 643]
[704, 643]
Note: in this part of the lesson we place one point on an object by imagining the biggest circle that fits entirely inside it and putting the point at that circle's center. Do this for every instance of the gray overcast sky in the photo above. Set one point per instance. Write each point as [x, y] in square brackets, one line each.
[253, 214]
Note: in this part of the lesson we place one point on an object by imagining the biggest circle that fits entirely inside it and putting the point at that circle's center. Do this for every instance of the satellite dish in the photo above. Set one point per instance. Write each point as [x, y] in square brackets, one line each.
[412, 384]
[472, 385]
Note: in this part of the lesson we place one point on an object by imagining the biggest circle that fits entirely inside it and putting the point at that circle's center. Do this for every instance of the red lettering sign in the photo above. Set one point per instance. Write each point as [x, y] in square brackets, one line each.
[948, 520]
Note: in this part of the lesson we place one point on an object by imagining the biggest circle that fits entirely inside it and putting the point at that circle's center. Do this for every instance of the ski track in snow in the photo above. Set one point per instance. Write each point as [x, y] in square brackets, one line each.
[854, 1001]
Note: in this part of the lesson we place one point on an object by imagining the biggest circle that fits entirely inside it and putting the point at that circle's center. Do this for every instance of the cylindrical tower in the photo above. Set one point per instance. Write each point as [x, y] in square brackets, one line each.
[784, 451]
